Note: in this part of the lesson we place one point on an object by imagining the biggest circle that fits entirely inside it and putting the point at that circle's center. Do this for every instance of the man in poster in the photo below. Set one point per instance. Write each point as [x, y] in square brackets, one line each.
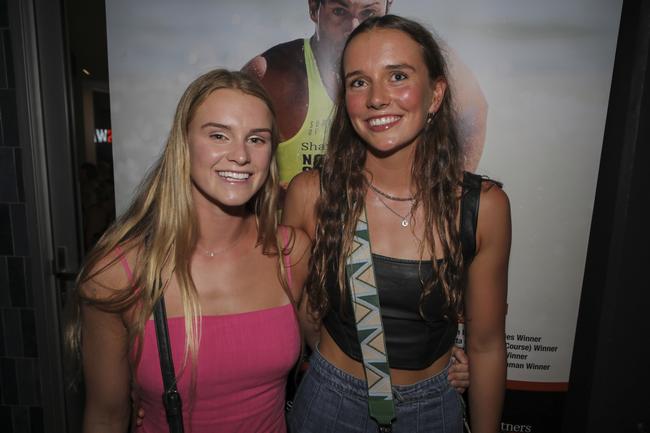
[301, 77]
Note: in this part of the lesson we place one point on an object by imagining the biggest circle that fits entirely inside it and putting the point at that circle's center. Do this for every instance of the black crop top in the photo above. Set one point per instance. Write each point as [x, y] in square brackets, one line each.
[413, 340]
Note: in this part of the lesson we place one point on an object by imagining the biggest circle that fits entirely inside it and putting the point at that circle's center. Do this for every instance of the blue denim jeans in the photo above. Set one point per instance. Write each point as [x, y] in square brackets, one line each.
[329, 400]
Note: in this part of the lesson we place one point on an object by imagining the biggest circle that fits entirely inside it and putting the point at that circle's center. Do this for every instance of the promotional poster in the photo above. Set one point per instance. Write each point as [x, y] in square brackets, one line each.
[531, 81]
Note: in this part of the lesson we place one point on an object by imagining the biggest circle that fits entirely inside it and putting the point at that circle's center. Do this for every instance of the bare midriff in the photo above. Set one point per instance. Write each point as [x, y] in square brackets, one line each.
[335, 356]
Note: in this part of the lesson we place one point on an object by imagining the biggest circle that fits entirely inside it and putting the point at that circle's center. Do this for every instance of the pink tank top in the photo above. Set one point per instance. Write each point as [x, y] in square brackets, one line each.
[242, 368]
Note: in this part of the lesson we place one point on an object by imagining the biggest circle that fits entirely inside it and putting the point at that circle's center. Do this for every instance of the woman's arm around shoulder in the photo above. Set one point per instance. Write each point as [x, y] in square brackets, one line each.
[485, 309]
[300, 202]
[104, 349]
[300, 255]
[299, 252]
[300, 212]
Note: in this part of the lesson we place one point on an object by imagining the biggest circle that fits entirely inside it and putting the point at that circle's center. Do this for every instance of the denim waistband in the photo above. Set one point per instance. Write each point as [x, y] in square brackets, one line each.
[339, 380]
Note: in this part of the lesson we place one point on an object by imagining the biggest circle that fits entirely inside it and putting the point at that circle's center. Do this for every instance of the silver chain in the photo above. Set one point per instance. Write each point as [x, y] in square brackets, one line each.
[405, 219]
[388, 196]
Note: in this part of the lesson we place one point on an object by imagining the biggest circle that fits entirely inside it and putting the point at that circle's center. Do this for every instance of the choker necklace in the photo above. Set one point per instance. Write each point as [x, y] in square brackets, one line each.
[406, 218]
[388, 196]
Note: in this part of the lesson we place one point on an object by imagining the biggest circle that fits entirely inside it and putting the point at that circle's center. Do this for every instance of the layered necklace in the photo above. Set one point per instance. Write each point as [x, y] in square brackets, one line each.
[405, 219]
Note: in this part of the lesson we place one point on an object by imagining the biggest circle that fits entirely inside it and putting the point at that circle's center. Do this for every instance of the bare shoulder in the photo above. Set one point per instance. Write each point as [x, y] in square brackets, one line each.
[286, 56]
[305, 183]
[111, 275]
[300, 201]
[493, 198]
[256, 67]
[494, 213]
[281, 60]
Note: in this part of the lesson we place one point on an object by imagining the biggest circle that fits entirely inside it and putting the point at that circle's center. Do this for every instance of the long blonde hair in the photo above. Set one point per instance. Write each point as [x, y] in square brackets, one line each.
[161, 225]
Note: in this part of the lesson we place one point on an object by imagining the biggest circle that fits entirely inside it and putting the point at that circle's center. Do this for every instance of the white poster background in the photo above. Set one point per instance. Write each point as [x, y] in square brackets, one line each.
[544, 67]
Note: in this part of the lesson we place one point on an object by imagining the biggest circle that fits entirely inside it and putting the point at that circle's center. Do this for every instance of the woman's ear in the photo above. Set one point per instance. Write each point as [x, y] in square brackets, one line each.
[439, 89]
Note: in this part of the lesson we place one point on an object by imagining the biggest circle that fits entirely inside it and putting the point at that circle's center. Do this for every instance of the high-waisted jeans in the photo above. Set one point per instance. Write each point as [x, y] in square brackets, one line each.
[330, 400]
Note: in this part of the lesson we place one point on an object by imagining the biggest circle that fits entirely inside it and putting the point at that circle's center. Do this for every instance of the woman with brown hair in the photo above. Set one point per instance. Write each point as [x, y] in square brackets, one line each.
[392, 190]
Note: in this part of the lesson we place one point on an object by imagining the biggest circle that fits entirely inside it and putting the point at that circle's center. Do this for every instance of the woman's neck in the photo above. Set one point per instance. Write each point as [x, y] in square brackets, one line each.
[392, 174]
[219, 227]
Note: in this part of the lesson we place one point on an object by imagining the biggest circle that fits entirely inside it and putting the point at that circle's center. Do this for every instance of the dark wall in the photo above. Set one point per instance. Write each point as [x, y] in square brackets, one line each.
[610, 373]
[20, 391]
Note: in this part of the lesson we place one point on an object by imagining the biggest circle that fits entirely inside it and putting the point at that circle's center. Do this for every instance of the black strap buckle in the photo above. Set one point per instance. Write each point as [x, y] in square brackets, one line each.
[385, 428]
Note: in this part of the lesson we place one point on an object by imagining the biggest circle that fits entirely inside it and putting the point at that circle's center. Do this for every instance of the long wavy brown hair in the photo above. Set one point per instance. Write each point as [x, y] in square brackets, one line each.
[436, 172]
[161, 225]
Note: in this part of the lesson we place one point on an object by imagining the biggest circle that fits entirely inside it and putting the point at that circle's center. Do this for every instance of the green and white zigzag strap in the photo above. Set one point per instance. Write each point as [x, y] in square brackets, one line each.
[370, 329]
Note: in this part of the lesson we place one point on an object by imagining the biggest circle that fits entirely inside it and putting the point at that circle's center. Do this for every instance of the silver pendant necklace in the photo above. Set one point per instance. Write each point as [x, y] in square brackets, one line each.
[213, 253]
[405, 218]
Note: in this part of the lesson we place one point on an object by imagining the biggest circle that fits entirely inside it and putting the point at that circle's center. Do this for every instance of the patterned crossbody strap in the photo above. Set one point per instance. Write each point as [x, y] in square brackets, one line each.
[370, 329]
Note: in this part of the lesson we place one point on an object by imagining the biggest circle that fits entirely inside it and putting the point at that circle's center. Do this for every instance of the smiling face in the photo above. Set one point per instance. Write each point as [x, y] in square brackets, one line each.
[230, 147]
[388, 91]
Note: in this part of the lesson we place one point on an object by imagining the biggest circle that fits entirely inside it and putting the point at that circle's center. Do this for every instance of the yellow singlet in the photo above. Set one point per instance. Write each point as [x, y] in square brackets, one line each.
[301, 151]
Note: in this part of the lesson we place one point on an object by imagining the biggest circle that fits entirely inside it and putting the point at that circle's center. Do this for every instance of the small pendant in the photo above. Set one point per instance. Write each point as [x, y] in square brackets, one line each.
[211, 253]
[405, 223]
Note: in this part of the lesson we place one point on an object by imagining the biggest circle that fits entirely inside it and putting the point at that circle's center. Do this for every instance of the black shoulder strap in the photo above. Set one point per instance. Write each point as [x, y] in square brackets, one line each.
[171, 397]
[469, 214]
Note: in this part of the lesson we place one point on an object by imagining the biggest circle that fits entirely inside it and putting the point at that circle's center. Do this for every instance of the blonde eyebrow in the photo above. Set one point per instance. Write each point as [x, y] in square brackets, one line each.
[260, 130]
[222, 126]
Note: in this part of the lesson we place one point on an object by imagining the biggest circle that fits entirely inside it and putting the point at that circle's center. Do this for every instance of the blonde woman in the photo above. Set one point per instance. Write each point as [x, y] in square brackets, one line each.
[202, 232]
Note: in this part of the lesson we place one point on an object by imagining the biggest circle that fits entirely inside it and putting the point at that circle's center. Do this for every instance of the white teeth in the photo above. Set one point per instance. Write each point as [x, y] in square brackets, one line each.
[383, 120]
[234, 175]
